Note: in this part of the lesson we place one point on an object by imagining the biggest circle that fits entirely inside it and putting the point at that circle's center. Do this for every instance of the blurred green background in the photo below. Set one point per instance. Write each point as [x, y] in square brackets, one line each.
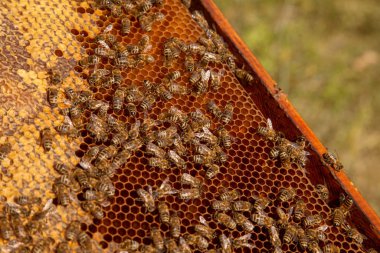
[326, 56]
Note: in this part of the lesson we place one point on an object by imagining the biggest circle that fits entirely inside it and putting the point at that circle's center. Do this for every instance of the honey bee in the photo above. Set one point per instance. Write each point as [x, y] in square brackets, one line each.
[147, 102]
[87, 158]
[184, 246]
[230, 195]
[274, 238]
[106, 153]
[172, 76]
[52, 97]
[55, 77]
[260, 203]
[18, 227]
[346, 202]
[226, 220]
[353, 233]
[144, 6]
[179, 148]
[290, 234]
[82, 179]
[153, 149]
[206, 42]
[129, 245]
[170, 53]
[227, 115]
[97, 75]
[118, 99]
[193, 193]
[164, 93]
[322, 191]
[72, 230]
[204, 229]
[62, 247]
[131, 109]
[286, 194]
[313, 247]
[303, 240]
[158, 240]
[200, 19]
[225, 243]
[231, 63]
[317, 234]
[243, 221]
[212, 170]
[46, 139]
[330, 159]
[163, 210]
[242, 242]
[178, 89]
[164, 189]
[84, 241]
[94, 209]
[207, 137]
[144, 44]
[331, 248]
[5, 228]
[70, 93]
[24, 200]
[339, 214]
[187, 179]
[161, 163]
[105, 52]
[368, 251]
[283, 220]
[214, 109]
[197, 240]
[189, 63]
[175, 225]
[125, 26]
[89, 61]
[48, 209]
[221, 205]
[215, 80]
[241, 206]
[146, 21]
[147, 198]
[187, 3]
[201, 86]
[195, 76]
[312, 220]
[5, 149]
[61, 168]
[210, 57]
[243, 75]
[262, 219]
[171, 246]
[61, 192]
[268, 132]
[42, 245]
[299, 210]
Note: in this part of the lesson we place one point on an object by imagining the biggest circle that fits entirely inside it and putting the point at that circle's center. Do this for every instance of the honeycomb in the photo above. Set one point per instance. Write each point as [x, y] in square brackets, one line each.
[39, 35]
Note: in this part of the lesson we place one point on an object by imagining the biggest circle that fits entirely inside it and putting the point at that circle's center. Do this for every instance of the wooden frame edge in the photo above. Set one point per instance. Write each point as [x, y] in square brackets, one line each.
[289, 109]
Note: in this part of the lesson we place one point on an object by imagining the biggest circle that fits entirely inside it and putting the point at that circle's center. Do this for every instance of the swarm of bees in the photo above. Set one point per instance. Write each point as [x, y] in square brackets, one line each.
[171, 142]
[23, 222]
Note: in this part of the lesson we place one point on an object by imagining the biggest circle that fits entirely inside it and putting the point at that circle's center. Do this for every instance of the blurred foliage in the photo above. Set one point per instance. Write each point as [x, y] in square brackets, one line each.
[326, 56]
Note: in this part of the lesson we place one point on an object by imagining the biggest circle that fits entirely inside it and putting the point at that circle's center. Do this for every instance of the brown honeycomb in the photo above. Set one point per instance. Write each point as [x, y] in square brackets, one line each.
[249, 167]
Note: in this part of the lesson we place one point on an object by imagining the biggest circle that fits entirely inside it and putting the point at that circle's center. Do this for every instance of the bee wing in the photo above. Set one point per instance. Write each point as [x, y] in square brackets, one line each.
[108, 28]
[203, 220]
[245, 237]
[290, 212]
[205, 75]
[281, 213]
[48, 204]
[323, 228]
[68, 121]
[269, 123]
[164, 183]
[150, 190]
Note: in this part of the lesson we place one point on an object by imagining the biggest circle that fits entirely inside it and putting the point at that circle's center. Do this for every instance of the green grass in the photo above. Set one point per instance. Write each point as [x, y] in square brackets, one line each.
[326, 56]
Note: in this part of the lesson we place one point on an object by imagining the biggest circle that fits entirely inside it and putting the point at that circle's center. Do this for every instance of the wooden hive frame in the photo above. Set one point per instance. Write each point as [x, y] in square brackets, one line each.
[275, 105]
